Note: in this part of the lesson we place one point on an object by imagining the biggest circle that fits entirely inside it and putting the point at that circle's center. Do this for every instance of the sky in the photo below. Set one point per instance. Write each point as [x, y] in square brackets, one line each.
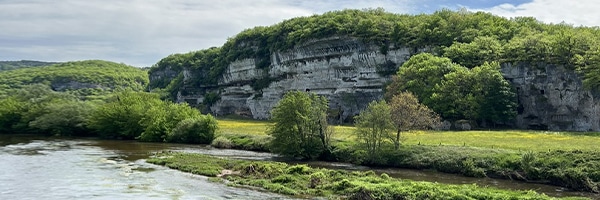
[141, 32]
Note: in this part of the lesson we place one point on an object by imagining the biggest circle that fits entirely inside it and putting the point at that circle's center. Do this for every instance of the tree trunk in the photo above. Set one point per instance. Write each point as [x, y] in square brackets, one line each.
[397, 141]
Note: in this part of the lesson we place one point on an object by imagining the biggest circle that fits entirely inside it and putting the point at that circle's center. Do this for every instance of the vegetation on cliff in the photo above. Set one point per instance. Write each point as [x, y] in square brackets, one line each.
[468, 39]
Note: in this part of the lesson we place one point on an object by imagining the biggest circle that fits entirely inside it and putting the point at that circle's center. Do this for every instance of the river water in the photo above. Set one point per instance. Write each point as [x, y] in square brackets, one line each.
[33, 167]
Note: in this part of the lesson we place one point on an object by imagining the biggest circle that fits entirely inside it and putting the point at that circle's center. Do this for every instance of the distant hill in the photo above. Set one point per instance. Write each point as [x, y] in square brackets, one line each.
[83, 78]
[10, 65]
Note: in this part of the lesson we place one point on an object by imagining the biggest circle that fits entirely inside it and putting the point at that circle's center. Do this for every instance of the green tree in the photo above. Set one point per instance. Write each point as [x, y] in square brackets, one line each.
[478, 94]
[11, 112]
[64, 118]
[479, 51]
[121, 117]
[374, 126]
[162, 118]
[198, 130]
[498, 101]
[408, 114]
[419, 75]
[300, 129]
[454, 97]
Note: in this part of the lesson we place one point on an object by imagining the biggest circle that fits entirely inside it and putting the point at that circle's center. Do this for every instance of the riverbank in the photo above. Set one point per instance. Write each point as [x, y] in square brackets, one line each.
[570, 160]
[304, 181]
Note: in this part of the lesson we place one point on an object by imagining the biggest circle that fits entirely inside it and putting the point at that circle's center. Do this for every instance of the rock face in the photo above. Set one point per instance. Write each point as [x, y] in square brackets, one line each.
[552, 98]
[351, 73]
[347, 71]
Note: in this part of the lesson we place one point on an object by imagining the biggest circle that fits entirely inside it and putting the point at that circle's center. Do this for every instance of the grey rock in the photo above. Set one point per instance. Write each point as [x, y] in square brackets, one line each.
[348, 72]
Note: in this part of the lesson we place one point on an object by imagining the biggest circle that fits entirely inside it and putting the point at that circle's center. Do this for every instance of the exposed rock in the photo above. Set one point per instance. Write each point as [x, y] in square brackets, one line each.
[552, 98]
[74, 85]
[462, 125]
[351, 73]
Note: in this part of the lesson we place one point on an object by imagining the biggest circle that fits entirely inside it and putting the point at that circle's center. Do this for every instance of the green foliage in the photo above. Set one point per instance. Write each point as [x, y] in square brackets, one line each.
[74, 76]
[222, 142]
[10, 65]
[38, 109]
[408, 114]
[211, 98]
[374, 127]
[64, 118]
[244, 141]
[457, 92]
[478, 94]
[194, 130]
[480, 50]
[467, 38]
[300, 128]
[121, 116]
[303, 181]
[11, 112]
[143, 116]
[420, 74]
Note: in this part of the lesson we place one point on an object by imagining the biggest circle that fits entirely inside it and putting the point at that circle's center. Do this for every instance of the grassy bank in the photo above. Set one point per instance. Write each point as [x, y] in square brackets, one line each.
[559, 158]
[304, 181]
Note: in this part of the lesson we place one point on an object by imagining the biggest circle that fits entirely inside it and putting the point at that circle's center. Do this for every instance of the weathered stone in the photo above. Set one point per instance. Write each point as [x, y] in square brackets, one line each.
[348, 72]
[552, 97]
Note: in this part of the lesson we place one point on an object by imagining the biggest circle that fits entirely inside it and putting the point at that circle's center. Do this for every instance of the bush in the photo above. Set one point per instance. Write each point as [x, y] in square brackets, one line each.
[222, 142]
[199, 130]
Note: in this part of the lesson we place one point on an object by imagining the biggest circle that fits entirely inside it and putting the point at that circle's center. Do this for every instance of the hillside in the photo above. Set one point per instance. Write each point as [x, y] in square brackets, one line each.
[349, 56]
[10, 65]
[84, 78]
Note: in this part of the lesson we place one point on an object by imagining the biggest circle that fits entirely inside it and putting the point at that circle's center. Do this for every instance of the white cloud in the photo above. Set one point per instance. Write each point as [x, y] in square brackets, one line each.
[577, 13]
[140, 32]
[135, 32]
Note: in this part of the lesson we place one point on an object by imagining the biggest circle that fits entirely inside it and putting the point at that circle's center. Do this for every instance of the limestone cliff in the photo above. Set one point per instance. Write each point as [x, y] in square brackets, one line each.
[552, 97]
[352, 73]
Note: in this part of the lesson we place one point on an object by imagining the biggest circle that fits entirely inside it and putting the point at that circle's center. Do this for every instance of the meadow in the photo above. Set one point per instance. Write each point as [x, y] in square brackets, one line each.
[567, 159]
[519, 140]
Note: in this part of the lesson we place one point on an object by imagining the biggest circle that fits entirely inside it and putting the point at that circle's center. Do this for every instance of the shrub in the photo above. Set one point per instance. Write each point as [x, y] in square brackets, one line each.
[199, 130]
[222, 142]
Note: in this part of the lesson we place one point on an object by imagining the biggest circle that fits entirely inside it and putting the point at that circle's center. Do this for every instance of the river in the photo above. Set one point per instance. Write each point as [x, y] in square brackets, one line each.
[33, 167]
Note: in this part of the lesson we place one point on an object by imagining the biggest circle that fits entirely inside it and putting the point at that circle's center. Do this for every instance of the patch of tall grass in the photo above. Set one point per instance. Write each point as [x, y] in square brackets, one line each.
[304, 181]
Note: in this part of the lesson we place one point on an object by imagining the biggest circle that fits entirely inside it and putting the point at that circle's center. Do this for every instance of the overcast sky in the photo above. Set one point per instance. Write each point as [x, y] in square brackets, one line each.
[141, 32]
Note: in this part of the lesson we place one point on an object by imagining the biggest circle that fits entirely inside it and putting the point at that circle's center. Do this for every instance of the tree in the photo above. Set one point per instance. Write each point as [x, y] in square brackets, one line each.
[64, 118]
[123, 115]
[11, 112]
[374, 126]
[300, 129]
[454, 97]
[473, 54]
[409, 114]
[498, 100]
[419, 75]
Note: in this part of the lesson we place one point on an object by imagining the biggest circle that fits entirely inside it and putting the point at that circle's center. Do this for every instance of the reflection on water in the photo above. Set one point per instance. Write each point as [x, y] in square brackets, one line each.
[34, 167]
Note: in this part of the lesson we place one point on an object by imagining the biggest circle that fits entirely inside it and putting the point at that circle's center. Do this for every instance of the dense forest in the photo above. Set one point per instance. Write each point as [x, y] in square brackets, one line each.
[82, 78]
[95, 98]
[468, 38]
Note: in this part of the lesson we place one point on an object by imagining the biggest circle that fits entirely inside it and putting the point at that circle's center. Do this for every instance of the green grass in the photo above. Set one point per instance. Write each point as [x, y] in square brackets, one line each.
[520, 140]
[303, 181]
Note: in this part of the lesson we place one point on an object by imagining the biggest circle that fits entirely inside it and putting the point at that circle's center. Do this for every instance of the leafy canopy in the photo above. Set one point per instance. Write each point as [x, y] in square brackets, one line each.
[300, 128]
